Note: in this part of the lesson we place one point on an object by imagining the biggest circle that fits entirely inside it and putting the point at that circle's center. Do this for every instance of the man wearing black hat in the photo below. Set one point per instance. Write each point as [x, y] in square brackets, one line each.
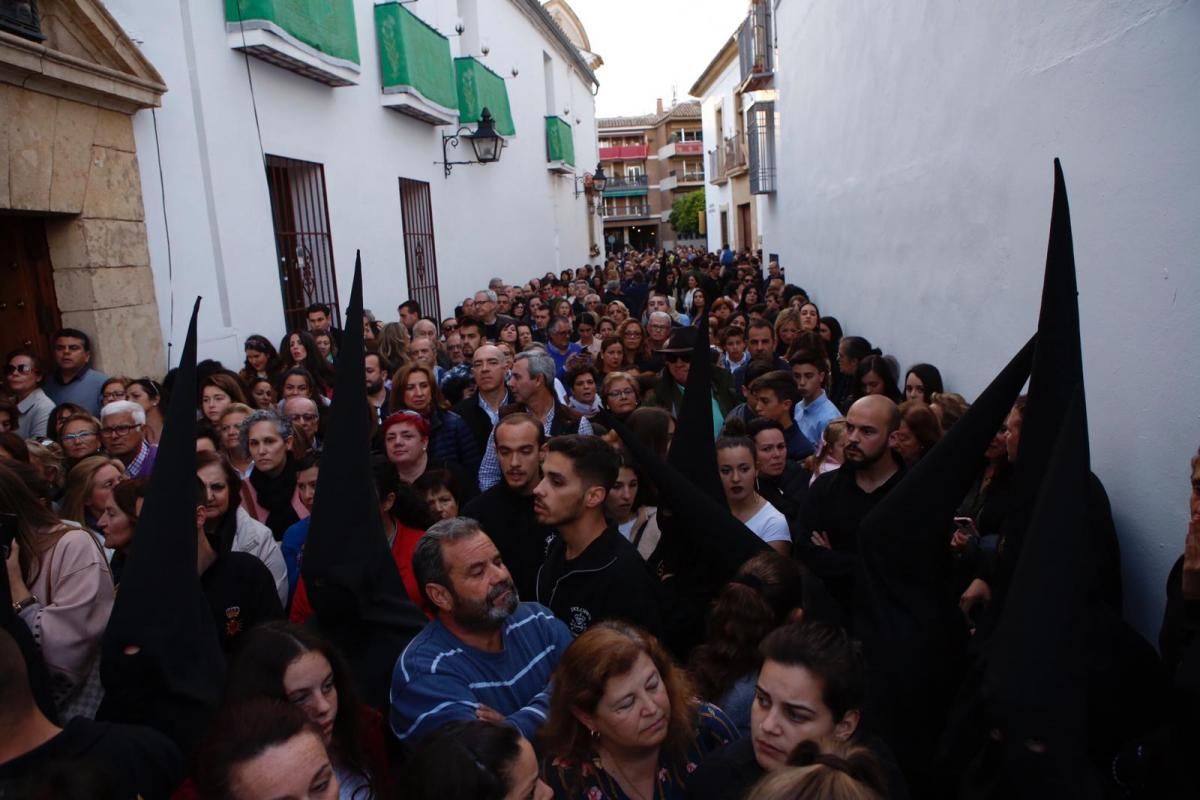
[591, 573]
[667, 392]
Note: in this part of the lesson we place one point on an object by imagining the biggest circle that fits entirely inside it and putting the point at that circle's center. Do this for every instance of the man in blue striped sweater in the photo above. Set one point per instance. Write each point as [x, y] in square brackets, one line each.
[485, 655]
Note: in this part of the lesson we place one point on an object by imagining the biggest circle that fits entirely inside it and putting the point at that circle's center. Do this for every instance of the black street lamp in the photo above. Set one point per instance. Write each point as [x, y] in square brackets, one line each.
[595, 186]
[484, 140]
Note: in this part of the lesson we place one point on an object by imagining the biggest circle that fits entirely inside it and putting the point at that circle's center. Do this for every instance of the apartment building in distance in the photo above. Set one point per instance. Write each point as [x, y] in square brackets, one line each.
[650, 161]
[737, 99]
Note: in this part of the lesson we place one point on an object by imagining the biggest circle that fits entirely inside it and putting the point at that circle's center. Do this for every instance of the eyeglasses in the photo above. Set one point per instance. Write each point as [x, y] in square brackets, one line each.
[12, 369]
[117, 431]
[109, 397]
[75, 437]
[671, 358]
[622, 393]
[303, 417]
[450, 326]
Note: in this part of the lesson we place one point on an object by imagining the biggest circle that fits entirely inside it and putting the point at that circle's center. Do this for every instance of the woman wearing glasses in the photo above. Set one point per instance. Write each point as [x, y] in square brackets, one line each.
[80, 438]
[23, 377]
[619, 392]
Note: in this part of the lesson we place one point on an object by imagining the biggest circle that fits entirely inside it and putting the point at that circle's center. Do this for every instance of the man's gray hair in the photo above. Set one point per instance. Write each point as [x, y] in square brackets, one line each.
[557, 323]
[283, 426]
[659, 316]
[124, 407]
[300, 400]
[541, 365]
[591, 297]
[491, 296]
[429, 566]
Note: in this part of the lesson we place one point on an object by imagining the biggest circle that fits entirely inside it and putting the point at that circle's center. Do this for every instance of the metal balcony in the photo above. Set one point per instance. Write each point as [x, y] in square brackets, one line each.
[627, 185]
[756, 52]
[620, 213]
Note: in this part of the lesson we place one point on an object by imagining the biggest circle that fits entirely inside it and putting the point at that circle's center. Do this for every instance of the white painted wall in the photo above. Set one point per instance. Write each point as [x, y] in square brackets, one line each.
[512, 219]
[914, 203]
[721, 96]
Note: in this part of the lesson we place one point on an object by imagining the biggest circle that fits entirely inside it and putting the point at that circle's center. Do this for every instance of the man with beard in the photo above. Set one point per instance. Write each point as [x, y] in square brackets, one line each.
[377, 373]
[592, 573]
[838, 501]
[485, 655]
[506, 509]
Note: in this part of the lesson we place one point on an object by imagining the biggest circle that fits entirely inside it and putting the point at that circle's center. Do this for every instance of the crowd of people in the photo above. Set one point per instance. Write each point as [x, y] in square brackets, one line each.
[631, 503]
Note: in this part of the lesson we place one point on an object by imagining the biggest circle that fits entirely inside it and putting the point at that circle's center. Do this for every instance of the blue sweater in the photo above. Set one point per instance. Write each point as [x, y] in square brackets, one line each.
[438, 678]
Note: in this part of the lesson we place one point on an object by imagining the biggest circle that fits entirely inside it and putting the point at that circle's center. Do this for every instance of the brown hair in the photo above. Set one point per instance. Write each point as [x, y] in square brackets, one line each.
[759, 598]
[228, 384]
[79, 485]
[127, 493]
[953, 406]
[602, 652]
[825, 770]
[38, 530]
[208, 458]
[402, 376]
[922, 422]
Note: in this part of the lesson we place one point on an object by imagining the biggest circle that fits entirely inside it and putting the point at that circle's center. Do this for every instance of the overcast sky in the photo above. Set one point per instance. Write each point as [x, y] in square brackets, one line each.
[650, 45]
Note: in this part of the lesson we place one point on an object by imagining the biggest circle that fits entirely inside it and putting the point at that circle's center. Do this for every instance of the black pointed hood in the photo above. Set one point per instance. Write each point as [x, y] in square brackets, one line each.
[349, 575]
[1057, 364]
[693, 448]
[920, 510]
[347, 564]
[1035, 676]
[174, 680]
[660, 285]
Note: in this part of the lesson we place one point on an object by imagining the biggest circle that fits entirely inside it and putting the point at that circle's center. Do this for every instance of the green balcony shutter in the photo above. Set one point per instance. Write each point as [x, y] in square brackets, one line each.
[324, 25]
[560, 141]
[480, 88]
[414, 55]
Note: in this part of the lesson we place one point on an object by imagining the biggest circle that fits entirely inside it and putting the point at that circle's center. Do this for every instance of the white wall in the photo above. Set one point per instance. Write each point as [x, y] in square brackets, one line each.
[512, 219]
[914, 203]
[721, 96]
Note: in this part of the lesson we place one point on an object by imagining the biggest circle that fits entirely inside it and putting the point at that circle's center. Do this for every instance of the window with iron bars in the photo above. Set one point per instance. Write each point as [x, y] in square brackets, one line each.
[303, 243]
[760, 134]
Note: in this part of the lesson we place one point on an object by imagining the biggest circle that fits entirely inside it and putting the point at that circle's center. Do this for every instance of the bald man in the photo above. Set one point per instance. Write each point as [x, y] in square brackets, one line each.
[838, 501]
[482, 410]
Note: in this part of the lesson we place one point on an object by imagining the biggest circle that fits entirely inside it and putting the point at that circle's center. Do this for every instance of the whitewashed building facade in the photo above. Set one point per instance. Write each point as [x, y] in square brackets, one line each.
[293, 134]
[915, 176]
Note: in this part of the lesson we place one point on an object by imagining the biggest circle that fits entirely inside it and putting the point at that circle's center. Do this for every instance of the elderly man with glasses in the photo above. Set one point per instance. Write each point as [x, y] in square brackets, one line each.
[121, 426]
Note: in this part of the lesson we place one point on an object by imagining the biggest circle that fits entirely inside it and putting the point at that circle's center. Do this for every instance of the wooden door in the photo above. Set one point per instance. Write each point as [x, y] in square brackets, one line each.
[743, 224]
[28, 307]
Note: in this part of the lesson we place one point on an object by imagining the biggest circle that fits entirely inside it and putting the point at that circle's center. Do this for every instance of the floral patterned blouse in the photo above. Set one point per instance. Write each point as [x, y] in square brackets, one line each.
[588, 780]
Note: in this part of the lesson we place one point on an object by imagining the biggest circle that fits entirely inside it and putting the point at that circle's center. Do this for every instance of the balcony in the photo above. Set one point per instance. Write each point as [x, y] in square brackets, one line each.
[480, 88]
[681, 180]
[560, 146]
[415, 66]
[675, 149]
[716, 167]
[626, 152]
[627, 186]
[623, 213]
[756, 52]
[735, 157]
[317, 39]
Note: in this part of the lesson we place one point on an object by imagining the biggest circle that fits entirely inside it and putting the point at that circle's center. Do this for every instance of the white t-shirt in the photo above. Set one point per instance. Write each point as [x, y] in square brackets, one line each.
[770, 525]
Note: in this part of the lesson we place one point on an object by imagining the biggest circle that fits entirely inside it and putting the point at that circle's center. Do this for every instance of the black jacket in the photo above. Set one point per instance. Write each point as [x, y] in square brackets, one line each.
[479, 423]
[608, 580]
[507, 517]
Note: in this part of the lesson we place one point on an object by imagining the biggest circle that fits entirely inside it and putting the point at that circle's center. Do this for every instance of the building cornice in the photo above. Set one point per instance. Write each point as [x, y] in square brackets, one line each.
[542, 20]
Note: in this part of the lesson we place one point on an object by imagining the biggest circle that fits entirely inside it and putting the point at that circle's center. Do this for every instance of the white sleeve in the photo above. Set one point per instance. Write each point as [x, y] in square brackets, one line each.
[774, 527]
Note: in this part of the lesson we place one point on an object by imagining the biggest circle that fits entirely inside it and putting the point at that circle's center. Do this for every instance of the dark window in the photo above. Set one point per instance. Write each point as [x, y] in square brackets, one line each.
[303, 243]
[420, 251]
[761, 135]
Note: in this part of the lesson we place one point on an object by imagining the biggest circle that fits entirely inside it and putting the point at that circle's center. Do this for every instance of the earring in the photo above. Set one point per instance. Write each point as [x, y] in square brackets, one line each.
[595, 733]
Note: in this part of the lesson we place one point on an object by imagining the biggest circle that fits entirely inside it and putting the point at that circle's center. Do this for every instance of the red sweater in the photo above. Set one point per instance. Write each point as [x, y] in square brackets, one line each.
[402, 553]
